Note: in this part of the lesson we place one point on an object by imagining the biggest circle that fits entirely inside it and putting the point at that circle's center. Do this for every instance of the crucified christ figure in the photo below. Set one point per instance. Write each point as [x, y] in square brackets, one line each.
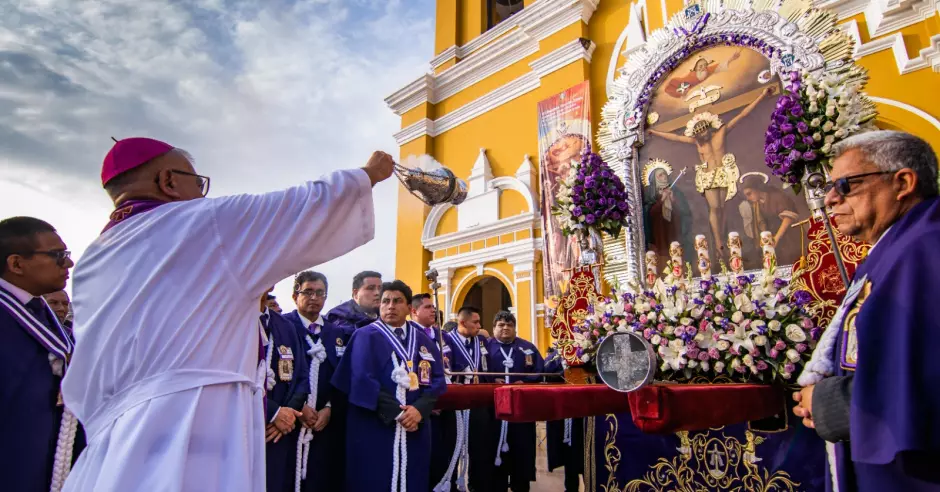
[717, 176]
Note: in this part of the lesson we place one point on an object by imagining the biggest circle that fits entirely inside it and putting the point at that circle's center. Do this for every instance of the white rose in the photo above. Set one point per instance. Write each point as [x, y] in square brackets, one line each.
[686, 321]
[817, 136]
[826, 148]
[719, 366]
[795, 333]
[723, 345]
[656, 339]
[840, 133]
[829, 139]
[830, 111]
[813, 108]
[721, 296]
[699, 337]
[820, 95]
[793, 355]
[669, 330]
[760, 340]
[748, 360]
[786, 375]
[783, 310]
[774, 325]
[692, 363]
[651, 317]
[585, 358]
[827, 126]
[735, 363]
[737, 317]
[757, 324]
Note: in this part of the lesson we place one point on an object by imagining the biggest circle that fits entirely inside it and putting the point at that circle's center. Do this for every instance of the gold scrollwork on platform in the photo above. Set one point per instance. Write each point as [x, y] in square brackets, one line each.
[709, 460]
[572, 310]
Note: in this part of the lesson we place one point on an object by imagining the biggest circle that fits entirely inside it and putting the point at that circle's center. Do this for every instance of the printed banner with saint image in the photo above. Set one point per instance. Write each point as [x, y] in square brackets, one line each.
[564, 129]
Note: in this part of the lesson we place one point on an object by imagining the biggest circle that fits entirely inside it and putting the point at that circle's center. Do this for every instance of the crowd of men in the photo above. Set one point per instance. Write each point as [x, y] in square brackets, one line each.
[331, 404]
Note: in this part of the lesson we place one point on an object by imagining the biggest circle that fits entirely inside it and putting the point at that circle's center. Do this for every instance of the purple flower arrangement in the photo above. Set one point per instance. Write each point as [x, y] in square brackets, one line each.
[812, 115]
[743, 327]
[591, 196]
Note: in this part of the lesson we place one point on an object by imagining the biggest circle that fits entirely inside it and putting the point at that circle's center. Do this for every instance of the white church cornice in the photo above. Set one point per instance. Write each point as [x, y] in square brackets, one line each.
[928, 57]
[578, 49]
[509, 42]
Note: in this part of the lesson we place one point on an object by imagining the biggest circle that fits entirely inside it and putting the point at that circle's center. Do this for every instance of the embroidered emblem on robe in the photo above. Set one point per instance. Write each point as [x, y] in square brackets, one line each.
[849, 333]
[285, 366]
[424, 370]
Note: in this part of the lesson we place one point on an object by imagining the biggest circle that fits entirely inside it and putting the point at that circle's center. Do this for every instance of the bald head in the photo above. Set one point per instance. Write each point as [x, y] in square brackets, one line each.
[167, 178]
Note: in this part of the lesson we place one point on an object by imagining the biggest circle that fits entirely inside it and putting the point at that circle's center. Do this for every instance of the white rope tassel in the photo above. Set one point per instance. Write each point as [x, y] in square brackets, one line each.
[400, 446]
[444, 484]
[317, 355]
[269, 380]
[503, 446]
[567, 438]
[65, 445]
[462, 474]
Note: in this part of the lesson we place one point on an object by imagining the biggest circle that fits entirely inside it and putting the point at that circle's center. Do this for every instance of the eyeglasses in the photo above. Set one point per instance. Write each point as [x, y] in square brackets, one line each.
[843, 185]
[60, 256]
[312, 293]
[202, 181]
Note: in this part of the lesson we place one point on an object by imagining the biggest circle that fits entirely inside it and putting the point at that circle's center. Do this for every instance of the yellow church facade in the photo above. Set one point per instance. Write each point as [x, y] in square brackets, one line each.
[475, 112]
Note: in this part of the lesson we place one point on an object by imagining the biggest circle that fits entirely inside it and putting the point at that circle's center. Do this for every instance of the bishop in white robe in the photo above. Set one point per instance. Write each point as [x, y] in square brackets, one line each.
[165, 374]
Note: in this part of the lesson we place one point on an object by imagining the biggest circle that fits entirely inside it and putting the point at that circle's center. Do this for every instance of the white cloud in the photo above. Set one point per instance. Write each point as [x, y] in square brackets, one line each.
[263, 94]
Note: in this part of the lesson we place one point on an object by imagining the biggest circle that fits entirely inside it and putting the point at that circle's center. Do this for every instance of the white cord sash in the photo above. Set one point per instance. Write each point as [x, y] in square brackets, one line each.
[317, 355]
[503, 446]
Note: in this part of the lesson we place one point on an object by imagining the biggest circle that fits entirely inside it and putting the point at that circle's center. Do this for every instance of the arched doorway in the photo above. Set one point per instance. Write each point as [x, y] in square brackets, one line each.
[489, 295]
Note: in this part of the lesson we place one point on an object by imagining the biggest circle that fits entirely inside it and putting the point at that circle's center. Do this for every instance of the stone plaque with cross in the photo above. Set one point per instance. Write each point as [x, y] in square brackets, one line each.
[626, 362]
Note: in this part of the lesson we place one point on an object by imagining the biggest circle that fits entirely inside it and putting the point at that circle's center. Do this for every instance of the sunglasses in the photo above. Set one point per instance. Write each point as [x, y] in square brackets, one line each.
[843, 186]
[202, 181]
[60, 256]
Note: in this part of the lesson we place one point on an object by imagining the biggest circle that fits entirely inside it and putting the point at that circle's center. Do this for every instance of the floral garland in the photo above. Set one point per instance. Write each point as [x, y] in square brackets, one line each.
[746, 328]
[815, 112]
[591, 196]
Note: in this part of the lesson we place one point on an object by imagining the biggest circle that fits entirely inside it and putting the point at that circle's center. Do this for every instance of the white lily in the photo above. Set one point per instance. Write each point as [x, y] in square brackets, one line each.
[673, 354]
[740, 338]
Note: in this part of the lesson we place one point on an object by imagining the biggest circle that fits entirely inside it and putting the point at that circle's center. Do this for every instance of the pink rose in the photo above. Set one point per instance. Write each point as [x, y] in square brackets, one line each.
[773, 353]
[719, 309]
[708, 313]
[716, 336]
[789, 368]
[647, 333]
[692, 353]
[663, 341]
[628, 308]
[629, 318]
[801, 347]
[597, 333]
[660, 327]
[741, 368]
[703, 325]
[755, 352]
[761, 365]
[807, 323]
[780, 345]
[734, 350]
[709, 299]
[713, 353]
[680, 330]
[703, 356]
[643, 319]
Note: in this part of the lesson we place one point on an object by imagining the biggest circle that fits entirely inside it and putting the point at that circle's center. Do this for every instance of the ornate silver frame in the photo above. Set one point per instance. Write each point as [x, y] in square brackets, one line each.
[789, 39]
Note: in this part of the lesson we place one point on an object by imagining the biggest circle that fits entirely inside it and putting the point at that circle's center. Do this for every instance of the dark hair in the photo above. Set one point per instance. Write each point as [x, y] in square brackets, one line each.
[450, 326]
[466, 311]
[504, 316]
[397, 286]
[309, 276]
[361, 277]
[418, 299]
[18, 236]
[755, 183]
[271, 297]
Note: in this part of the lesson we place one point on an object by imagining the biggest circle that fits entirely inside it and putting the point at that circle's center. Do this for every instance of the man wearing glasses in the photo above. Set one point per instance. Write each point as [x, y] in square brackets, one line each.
[870, 389]
[321, 426]
[169, 376]
[34, 352]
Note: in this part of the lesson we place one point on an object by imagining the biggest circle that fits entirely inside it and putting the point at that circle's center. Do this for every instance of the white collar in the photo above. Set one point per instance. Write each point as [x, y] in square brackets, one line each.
[20, 294]
[306, 322]
[463, 339]
[883, 234]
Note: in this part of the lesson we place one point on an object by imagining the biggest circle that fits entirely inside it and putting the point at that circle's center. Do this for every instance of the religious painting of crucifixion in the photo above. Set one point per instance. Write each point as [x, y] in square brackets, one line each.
[702, 164]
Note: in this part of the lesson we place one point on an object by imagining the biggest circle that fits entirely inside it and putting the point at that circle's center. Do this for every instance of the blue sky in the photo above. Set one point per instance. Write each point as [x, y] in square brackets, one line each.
[263, 94]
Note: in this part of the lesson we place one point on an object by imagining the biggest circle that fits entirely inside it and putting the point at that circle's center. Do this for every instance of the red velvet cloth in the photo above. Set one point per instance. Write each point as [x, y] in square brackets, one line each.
[656, 409]
[465, 396]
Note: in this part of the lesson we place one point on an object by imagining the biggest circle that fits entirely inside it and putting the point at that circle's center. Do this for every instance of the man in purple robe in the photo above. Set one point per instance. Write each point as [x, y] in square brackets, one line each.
[515, 450]
[870, 389]
[321, 418]
[287, 384]
[363, 308]
[34, 349]
[392, 374]
[465, 351]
